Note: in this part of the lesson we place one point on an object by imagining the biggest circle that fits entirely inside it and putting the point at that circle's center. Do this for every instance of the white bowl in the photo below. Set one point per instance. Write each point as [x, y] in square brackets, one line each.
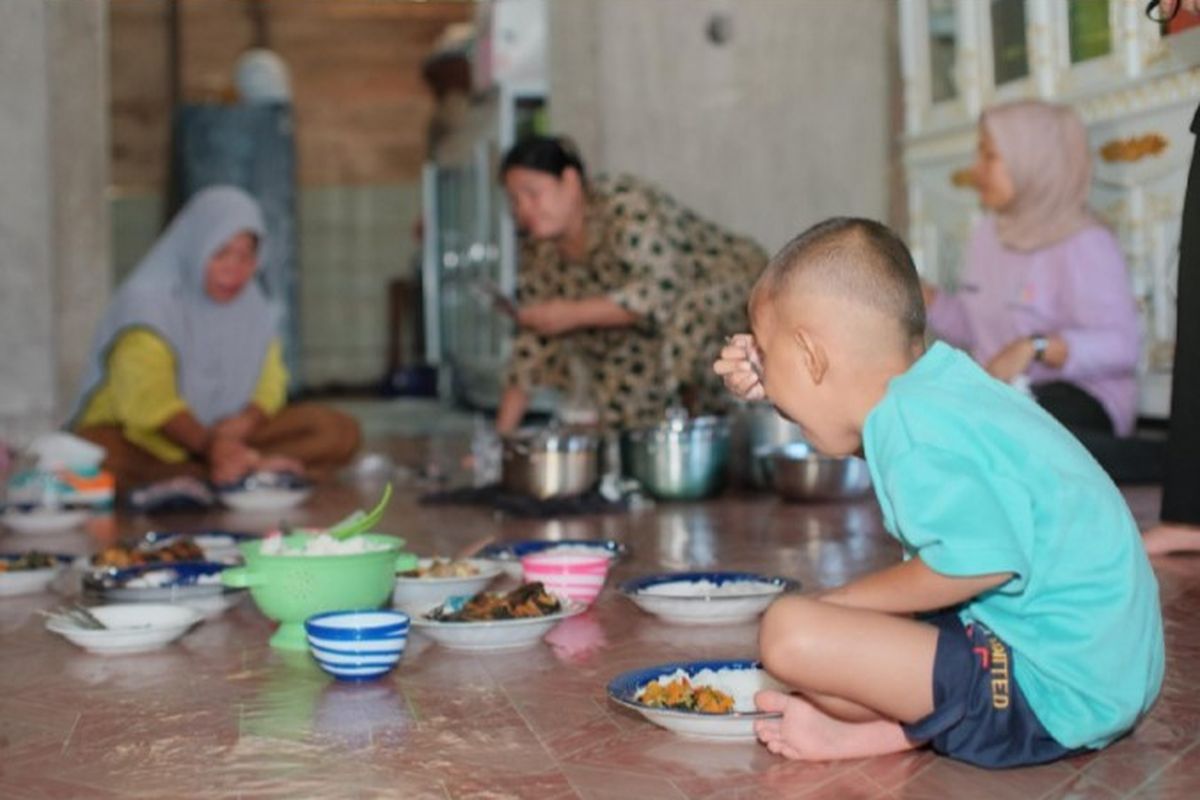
[706, 598]
[418, 595]
[264, 499]
[132, 627]
[44, 520]
[31, 581]
[500, 634]
[737, 726]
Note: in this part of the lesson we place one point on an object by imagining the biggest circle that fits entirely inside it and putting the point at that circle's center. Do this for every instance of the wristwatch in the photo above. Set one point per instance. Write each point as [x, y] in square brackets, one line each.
[1040, 342]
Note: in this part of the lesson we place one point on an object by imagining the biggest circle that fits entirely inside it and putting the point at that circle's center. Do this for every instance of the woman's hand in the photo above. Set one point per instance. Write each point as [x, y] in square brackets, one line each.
[239, 426]
[281, 464]
[741, 368]
[548, 318]
[230, 460]
[1012, 361]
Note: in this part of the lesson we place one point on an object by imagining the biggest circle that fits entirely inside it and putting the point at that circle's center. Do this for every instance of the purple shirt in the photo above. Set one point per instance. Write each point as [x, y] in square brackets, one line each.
[1077, 289]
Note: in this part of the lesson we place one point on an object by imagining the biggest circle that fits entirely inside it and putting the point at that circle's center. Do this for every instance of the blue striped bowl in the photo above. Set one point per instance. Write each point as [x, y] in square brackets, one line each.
[357, 645]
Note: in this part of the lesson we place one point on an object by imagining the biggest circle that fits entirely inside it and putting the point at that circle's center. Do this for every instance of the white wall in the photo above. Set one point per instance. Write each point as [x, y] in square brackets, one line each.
[788, 122]
[54, 252]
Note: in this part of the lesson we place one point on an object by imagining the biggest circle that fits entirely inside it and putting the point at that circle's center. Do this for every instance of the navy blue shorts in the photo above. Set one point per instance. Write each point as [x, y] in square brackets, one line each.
[979, 713]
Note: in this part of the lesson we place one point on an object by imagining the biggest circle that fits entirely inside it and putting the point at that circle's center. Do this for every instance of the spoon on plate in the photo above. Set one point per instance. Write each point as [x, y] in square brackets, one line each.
[77, 615]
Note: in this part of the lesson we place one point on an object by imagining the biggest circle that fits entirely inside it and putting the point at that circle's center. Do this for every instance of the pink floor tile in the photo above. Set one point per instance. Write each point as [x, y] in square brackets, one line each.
[221, 714]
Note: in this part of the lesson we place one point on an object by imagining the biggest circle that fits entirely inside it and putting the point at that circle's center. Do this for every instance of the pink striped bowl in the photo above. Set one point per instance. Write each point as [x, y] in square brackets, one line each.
[576, 576]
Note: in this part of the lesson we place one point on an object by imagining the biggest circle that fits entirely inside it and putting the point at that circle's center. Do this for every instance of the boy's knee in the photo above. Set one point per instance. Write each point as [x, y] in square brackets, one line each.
[789, 629]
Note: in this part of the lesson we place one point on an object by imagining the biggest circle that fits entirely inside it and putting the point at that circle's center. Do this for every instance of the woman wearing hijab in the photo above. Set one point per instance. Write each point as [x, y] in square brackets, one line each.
[622, 289]
[1045, 293]
[185, 375]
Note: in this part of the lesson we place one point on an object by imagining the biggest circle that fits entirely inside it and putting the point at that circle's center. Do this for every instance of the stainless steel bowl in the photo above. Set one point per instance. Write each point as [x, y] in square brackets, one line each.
[757, 431]
[679, 459]
[800, 473]
[550, 462]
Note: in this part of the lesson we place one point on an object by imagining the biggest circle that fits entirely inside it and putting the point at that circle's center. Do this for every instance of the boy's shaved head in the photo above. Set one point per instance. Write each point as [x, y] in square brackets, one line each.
[855, 258]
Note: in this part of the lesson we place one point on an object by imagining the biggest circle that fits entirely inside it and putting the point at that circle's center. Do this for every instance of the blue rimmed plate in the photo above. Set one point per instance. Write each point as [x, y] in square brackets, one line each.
[509, 554]
[739, 679]
[265, 491]
[218, 545]
[196, 584]
[29, 581]
[494, 634]
[706, 598]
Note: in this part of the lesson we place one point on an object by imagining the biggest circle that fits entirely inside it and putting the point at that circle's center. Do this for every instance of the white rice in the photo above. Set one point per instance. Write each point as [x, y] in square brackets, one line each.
[321, 545]
[706, 588]
[161, 577]
[740, 684]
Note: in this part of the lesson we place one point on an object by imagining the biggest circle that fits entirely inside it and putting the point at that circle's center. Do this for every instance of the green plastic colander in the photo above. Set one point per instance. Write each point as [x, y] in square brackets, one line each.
[290, 589]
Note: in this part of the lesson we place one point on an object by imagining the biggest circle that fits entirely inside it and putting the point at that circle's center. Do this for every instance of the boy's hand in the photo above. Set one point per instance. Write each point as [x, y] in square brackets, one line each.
[230, 460]
[1167, 7]
[741, 368]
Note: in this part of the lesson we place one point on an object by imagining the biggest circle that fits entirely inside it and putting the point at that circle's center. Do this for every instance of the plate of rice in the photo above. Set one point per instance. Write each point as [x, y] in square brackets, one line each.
[706, 598]
[700, 699]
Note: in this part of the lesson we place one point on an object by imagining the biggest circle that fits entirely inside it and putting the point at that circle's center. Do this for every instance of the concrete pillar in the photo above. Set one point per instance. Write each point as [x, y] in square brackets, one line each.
[54, 227]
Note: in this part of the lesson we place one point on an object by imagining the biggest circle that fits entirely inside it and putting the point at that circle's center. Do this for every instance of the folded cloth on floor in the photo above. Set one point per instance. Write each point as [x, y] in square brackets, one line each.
[519, 505]
[173, 494]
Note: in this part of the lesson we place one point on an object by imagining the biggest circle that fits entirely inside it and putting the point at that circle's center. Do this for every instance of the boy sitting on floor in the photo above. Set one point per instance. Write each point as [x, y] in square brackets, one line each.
[1023, 624]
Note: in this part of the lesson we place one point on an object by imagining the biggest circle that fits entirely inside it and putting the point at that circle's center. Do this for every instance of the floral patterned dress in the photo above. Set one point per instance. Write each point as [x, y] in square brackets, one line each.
[685, 278]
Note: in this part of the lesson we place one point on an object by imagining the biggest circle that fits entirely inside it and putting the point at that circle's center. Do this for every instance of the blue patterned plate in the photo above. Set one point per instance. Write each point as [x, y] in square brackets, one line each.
[737, 678]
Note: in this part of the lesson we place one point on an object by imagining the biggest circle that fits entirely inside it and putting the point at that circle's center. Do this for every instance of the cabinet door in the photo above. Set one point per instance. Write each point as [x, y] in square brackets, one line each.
[939, 62]
[943, 209]
[1139, 180]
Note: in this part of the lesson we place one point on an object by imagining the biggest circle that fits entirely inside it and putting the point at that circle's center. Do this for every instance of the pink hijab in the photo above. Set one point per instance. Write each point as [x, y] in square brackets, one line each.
[1045, 148]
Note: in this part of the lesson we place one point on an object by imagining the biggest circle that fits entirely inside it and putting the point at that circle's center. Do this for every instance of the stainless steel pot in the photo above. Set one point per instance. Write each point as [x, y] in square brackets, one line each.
[681, 459]
[550, 462]
[800, 473]
[758, 430]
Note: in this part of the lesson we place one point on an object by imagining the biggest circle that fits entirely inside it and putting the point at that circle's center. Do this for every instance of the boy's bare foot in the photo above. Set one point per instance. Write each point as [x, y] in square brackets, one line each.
[1167, 538]
[806, 733]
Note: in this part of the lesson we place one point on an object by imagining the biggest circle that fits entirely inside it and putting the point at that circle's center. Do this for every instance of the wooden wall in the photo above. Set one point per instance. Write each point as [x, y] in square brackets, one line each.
[361, 108]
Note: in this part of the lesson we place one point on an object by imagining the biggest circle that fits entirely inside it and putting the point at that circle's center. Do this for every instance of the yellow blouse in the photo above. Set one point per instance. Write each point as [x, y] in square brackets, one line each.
[139, 392]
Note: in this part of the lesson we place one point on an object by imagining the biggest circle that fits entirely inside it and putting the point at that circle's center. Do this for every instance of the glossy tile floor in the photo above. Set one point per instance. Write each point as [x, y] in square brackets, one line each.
[219, 714]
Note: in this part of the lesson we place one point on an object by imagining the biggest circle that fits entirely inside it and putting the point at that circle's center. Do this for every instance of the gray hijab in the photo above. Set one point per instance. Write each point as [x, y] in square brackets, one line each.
[219, 348]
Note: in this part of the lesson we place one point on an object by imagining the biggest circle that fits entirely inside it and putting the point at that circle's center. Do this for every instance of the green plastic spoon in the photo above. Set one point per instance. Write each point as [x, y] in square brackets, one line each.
[358, 522]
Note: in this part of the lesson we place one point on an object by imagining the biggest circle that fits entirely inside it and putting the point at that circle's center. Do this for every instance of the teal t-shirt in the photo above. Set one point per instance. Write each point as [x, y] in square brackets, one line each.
[975, 478]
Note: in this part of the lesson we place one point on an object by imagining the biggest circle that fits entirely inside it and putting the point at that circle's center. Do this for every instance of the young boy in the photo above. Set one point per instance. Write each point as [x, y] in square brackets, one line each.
[1023, 624]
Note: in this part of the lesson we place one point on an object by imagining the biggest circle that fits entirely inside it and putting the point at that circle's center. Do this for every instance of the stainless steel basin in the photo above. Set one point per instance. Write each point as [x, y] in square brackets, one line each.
[681, 459]
[800, 473]
[550, 462]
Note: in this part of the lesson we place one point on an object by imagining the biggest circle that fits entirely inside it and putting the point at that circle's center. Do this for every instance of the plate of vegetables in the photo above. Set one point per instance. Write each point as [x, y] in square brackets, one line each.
[30, 572]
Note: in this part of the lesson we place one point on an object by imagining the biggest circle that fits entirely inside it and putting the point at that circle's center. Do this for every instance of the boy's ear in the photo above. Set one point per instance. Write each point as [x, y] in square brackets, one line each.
[812, 355]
